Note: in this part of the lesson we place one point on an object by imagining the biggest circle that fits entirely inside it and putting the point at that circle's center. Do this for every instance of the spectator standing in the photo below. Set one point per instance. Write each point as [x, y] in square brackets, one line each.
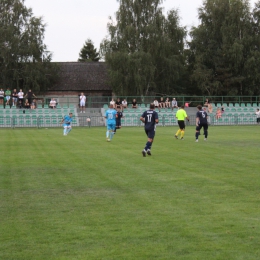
[174, 103]
[52, 103]
[205, 110]
[257, 116]
[111, 122]
[82, 102]
[210, 108]
[201, 121]
[150, 119]
[14, 97]
[181, 115]
[20, 98]
[30, 95]
[67, 121]
[8, 96]
[134, 104]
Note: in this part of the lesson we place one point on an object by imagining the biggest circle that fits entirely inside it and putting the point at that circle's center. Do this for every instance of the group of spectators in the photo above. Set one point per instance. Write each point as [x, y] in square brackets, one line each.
[165, 103]
[20, 99]
[157, 104]
[17, 99]
[220, 111]
[122, 104]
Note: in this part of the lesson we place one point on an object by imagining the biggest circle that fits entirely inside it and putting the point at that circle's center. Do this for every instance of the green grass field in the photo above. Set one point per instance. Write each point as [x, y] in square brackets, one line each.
[80, 197]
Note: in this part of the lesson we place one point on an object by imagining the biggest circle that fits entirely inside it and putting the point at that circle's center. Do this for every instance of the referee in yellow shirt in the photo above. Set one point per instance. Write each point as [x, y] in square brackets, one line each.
[181, 115]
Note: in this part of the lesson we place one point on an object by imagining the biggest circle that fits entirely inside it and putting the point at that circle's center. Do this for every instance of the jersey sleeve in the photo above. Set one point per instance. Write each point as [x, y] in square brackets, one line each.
[155, 115]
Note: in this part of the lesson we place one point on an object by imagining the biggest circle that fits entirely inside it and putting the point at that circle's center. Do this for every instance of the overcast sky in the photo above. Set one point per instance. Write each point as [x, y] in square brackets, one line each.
[71, 22]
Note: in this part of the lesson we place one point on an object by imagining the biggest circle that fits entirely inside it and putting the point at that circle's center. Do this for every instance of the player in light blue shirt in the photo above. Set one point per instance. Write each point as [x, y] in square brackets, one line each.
[111, 122]
[67, 121]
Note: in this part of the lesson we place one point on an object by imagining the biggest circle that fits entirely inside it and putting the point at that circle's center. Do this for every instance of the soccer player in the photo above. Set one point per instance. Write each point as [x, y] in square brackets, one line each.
[201, 121]
[111, 122]
[66, 121]
[150, 119]
[119, 115]
[181, 115]
[82, 102]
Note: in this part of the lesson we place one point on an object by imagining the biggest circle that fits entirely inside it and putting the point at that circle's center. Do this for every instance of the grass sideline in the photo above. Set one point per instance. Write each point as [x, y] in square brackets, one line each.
[80, 197]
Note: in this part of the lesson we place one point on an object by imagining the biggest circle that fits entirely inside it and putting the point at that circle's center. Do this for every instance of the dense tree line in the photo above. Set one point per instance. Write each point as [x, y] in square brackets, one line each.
[224, 48]
[24, 59]
[146, 51]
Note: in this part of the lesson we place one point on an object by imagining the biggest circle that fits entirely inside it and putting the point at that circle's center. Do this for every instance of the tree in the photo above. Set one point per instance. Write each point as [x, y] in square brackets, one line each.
[24, 59]
[222, 48]
[88, 52]
[144, 49]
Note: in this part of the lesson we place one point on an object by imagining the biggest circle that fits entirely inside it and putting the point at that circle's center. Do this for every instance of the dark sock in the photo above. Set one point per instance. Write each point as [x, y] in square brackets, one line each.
[148, 146]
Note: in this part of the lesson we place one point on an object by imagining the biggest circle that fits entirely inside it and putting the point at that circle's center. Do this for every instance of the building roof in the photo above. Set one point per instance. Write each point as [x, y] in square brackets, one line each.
[82, 76]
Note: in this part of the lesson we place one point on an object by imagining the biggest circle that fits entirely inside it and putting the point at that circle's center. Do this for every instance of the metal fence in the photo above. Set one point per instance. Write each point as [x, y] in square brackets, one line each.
[39, 121]
[99, 101]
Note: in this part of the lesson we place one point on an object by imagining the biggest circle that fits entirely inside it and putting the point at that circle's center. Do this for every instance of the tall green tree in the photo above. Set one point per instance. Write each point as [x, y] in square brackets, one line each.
[24, 58]
[144, 49]
[222, 48]
[88, 52]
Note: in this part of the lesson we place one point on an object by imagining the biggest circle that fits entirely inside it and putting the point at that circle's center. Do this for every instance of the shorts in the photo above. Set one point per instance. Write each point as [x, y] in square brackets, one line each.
[67, 125]
[82, 103]
[258, 120]
[7, 97]
[181, 124]
[205, 127]
[150, 133]
[111, 127]
[118, 122]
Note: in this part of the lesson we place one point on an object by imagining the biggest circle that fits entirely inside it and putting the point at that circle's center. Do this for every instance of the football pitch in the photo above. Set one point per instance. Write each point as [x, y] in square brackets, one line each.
[80, 197]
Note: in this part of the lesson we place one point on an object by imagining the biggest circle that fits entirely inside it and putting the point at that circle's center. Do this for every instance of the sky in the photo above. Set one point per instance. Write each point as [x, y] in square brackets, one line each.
[69, 23]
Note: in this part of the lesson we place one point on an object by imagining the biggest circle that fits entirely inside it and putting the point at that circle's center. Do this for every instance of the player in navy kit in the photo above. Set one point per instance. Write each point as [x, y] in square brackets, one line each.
[150, 119]
[201, 121]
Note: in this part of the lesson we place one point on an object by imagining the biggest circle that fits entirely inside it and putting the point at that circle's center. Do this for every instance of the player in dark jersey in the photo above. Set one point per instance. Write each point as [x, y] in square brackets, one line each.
[150, 119]
[119, 115]
[201, 121]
